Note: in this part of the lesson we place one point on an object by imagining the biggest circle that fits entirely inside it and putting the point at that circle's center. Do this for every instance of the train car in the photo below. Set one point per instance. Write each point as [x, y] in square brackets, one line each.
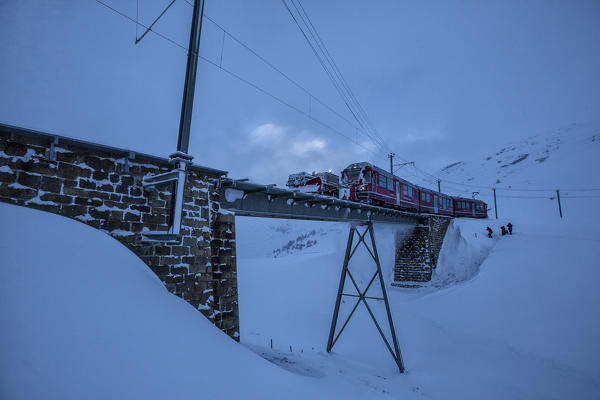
[364, 182]
[480, 209]
[464, 207]
[433, 202]
[367, 183]
[324, 183]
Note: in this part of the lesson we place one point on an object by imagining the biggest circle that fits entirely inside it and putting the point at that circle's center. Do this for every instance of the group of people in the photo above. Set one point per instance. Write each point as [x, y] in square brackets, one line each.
[503, 229]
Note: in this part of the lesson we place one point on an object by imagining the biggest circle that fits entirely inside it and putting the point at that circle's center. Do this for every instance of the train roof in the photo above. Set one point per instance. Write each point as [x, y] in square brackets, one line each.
[358, 165]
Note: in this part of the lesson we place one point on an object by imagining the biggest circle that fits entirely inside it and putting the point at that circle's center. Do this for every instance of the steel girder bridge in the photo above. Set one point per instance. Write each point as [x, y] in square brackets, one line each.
[250, 199]
[256, 200]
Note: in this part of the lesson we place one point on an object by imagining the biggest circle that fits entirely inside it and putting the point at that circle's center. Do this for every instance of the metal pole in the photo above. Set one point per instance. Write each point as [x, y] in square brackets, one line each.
[558, 198]
[439, 187]
[398, 357]
[391, 157]
[187, 103]
[338, 300]
[495, 206]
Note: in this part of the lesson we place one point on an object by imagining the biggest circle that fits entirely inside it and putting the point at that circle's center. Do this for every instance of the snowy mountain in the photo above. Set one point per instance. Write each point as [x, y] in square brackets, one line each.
[527, 173]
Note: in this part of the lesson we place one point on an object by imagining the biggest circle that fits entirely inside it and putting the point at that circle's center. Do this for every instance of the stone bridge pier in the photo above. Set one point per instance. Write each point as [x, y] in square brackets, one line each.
[417, 250]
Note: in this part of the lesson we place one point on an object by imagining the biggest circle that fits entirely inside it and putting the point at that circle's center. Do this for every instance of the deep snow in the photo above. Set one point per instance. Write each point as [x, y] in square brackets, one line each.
[508, 317]
[94, 322]
[518, 326]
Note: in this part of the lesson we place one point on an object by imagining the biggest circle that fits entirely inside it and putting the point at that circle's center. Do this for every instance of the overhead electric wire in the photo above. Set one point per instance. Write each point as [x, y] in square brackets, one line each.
[244, 80]
[339, 73]
[328, 70]
[142, 25]
[137, 40]
[327, 126]
[279, 71]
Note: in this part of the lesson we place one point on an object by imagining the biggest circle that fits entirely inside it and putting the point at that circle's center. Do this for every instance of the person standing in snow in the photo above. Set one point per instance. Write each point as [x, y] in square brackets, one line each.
[509, 226]
[503, 229]
[489, 230]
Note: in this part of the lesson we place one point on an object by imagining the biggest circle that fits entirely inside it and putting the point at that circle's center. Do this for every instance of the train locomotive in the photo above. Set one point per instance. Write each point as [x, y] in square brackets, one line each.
[367, 183]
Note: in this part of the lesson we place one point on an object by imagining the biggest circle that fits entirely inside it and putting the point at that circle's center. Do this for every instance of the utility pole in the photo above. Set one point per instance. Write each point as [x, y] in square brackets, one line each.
[439, 187]
[177, 177]
[495, 206]
[187, 103]
[391, 157]
[558, 198]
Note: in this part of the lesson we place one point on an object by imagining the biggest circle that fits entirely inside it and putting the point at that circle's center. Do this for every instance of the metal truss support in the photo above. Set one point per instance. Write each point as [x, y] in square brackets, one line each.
[362, 294]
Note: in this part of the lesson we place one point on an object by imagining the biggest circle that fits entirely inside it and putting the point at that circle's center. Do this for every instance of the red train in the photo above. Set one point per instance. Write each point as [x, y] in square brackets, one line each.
[324, 183]
[364, 182]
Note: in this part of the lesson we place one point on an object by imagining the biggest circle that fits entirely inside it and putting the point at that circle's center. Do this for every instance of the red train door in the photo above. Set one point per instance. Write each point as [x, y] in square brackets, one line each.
[435, 204]
[397, 193]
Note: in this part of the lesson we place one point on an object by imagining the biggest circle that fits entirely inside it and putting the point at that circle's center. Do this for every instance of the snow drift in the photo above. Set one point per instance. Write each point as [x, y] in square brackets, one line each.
[83, 318]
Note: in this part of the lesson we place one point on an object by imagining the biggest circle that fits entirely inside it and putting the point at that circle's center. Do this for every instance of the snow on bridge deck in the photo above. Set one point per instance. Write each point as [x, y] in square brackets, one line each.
[256, 200]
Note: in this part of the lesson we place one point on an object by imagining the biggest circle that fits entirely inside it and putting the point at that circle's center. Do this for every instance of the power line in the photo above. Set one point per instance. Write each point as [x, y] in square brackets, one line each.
[323, 60]
[142, 25]
[244, 80]
[137, 40]
[340, 75]
[271, 65]
[260, 89]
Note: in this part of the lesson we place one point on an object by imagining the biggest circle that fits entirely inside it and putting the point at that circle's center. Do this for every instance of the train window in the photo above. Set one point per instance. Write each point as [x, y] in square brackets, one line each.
[405, 190]
[390, 184]
[368, 177]
[382, 181]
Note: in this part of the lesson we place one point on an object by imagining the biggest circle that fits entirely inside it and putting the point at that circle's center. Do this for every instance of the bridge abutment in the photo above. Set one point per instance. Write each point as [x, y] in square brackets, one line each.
[417, 251]
[102, 187]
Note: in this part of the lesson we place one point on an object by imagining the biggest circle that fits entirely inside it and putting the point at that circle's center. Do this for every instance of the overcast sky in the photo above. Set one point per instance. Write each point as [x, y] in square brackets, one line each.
[441, 81]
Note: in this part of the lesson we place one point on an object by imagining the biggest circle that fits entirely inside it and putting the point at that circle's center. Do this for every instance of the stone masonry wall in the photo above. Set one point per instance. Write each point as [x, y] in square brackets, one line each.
[101, 187]
[417, 251]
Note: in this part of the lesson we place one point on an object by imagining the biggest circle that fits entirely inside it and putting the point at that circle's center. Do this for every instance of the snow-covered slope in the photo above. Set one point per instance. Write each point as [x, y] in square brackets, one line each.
[563, 151]
[520, 325]
[83, 318]
[567, 159]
